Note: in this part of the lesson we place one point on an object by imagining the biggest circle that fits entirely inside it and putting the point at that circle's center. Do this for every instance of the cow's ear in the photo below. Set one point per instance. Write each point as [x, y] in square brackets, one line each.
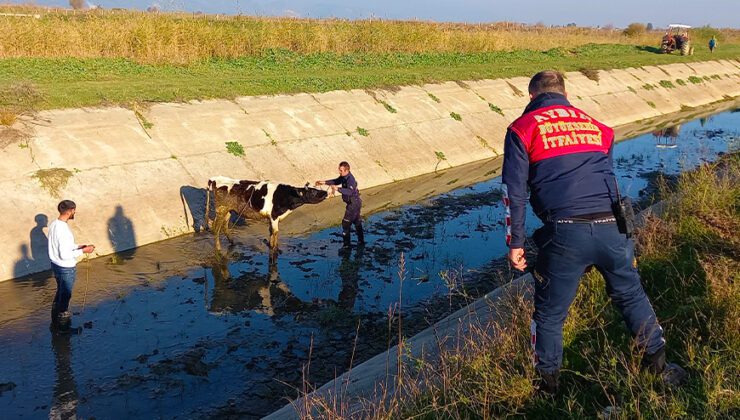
[307, 184]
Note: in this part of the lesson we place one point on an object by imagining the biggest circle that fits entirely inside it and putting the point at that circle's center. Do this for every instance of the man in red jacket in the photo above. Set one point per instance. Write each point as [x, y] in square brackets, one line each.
[564, 157]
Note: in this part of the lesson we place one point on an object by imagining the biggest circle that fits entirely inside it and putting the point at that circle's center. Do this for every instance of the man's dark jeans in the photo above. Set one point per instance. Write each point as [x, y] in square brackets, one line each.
[565, 251]
[65, 277]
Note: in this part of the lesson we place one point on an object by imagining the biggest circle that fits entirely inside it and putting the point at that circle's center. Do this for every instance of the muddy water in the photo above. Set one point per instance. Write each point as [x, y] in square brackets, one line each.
[170, 331]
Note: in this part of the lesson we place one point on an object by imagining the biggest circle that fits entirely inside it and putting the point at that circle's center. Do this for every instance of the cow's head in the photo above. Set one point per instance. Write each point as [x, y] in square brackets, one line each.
[311, 195]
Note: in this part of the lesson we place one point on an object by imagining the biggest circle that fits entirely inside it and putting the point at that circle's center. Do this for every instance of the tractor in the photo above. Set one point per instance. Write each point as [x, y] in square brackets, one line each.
[677, 38]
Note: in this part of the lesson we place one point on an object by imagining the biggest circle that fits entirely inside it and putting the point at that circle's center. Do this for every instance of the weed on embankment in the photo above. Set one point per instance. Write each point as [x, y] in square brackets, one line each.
[689, 260]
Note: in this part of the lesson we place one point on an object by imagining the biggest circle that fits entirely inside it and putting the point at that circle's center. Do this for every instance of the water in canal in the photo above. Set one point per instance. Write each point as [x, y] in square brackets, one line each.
[170, 331]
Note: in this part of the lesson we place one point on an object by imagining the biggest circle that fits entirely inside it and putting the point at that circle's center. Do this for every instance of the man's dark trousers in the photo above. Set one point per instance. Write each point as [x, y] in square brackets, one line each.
[565, 251]
[352, 217]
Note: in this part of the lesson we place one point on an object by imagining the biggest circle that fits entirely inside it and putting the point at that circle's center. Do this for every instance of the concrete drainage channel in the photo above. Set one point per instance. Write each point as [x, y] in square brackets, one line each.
[176, 333]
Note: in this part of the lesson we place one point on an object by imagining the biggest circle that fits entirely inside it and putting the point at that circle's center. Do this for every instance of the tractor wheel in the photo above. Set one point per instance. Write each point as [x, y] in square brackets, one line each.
[686, 48]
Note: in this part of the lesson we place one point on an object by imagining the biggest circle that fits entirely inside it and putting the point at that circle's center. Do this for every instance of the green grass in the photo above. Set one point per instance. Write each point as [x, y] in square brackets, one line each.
[70, 82]
[667, 84]
[455, 116]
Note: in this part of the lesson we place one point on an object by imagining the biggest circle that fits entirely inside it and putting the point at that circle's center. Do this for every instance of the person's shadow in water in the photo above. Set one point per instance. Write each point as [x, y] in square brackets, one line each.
[25, 264]
[349, 272]
[65, 400]
[121, 234]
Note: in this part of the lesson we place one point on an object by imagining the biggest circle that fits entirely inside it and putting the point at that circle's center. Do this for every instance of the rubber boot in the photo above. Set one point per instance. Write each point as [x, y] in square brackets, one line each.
[548, 383]
[672, 374]
[64, 321]
[654, 363]
[346, 239]
[360, 234]
[54, 316]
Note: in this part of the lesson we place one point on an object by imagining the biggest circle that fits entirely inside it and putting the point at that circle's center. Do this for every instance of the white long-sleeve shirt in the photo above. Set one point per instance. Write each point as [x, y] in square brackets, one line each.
[62, 248]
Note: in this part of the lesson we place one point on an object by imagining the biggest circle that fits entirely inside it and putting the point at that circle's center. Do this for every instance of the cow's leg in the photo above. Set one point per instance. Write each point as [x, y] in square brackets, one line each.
[227, 229]
[266, 297]
[274, 236]
[220, 226]
[226, 224]
[207, 214]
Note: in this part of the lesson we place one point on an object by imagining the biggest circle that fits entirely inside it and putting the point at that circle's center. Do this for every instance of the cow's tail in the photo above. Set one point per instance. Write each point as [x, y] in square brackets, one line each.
[207, 215]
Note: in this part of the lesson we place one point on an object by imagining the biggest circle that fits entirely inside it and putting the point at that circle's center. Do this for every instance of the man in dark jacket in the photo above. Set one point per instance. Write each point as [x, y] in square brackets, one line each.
[564, 157]
[347, 186]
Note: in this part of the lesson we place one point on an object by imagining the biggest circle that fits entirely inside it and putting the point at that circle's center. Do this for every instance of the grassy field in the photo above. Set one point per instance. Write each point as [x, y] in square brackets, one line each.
[118, 57]
[689, 261]
[72, 82]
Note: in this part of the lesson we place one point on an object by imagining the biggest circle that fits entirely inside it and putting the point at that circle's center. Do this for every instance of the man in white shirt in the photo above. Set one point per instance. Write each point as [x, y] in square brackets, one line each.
[63, 253]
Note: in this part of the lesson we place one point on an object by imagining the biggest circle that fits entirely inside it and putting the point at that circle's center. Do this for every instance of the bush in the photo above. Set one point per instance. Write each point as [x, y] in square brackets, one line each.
[634, 29]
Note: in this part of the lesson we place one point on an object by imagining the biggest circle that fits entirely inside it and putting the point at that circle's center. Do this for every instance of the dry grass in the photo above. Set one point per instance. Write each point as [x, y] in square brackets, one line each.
[7, 118]
[486, 370]
[186, 38]
[16, 99]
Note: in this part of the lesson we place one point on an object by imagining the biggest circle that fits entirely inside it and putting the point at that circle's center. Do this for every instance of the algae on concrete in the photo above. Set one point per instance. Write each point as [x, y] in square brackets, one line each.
[53, 180]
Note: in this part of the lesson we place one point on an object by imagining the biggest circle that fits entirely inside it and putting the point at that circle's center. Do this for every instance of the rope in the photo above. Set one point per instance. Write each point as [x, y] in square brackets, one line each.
[87, 282]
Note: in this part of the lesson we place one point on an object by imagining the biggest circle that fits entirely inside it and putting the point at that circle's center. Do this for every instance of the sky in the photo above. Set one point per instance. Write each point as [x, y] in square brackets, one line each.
[717, 13]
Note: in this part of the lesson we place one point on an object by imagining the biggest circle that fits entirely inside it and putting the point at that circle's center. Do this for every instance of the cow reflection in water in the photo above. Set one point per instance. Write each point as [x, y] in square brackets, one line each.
[253, 291]
[667, 137]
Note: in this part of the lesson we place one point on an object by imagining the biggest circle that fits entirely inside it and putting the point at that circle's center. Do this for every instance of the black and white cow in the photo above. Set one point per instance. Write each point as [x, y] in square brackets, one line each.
[256, 199]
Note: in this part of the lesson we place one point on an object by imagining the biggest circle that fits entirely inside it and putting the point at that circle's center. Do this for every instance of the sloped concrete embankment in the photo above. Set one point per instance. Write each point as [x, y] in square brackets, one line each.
[138, 174]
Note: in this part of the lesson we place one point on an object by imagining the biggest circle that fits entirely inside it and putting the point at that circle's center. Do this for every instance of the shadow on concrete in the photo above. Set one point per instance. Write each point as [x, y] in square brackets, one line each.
[255, 291]
[35, 258]
[65, 400]
[121, 233]
[647, 48]
[194, 206]
[40, 243]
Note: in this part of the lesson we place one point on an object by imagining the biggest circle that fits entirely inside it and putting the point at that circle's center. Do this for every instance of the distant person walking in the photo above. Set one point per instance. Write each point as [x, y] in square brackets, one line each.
[712, 44]
[63, 253]
[347, 186]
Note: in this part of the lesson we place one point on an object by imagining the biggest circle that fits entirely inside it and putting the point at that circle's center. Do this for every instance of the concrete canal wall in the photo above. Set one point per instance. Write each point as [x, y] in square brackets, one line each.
[138, 174]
